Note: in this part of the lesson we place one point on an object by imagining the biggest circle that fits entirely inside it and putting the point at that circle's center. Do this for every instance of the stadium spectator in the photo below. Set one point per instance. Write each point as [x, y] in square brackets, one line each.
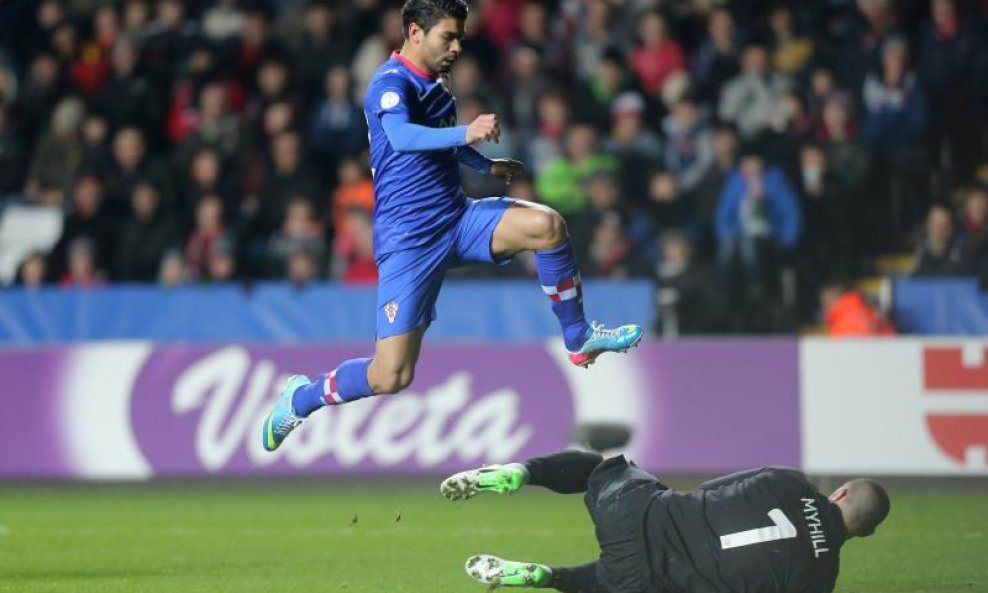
[821, 87]
[223, 21]
[706, 195]
[206, 178]
[133, 164]
[136, 16]
[612, 253]
[272, 85]
[665, 210]
[553, 119]
[826, 240]
[376, 48]
[658, 56]
[48, 15]
[894, 128]
[172, 272]
[790, 51]
[689, 298]
[941, 252]
[126, 98]
[750, 99]
[323, 46]
[209, 231]
[594, 98]
[847, 314]
[528, 83]
[355, 190]
[595, 34]
[287, 176]
[254, 44]
[96, 155]
[468, 82]
[221, 265]
[91, 65]
[82, 270]
[144, 237]
[8, 82]
[214, 125]
[758, 219]
[299, 232]
[533, 31]
[302, 267]
[11, 157]
[33, 270]
[337, 129]
[635, 145]
[88, 219]
[560, 184]
[953, 59]
[859, 40]
[603, 197]
[974, 226]
[689, 150]
[894, 102]
[58, 155]
[718, 58]
[37, 97]
[353, 249]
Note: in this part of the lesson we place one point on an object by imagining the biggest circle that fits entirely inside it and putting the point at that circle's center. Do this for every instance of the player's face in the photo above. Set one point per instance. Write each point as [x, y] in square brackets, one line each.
[442, 45]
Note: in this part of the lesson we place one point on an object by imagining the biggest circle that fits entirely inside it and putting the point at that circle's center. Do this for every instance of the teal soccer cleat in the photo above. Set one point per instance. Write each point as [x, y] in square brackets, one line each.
[601, 340]
[282, 420]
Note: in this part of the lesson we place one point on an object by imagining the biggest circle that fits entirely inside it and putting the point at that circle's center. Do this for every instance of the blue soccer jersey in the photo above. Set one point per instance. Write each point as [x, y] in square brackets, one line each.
[416, 173]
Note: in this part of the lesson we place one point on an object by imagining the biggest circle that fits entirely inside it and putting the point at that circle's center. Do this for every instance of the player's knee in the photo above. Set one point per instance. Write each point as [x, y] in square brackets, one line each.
[551, 229]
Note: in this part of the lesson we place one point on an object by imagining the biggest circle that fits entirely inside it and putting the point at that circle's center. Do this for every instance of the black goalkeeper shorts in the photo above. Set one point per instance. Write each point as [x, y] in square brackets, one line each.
[618, 495]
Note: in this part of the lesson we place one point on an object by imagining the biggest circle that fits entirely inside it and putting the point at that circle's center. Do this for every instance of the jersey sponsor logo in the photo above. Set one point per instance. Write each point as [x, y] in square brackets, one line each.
[391, 310]
[389, 99]
[813, 524]
[955, 381]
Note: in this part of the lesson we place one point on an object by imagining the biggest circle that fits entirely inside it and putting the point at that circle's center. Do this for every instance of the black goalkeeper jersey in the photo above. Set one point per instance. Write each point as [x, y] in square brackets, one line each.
[761, 531]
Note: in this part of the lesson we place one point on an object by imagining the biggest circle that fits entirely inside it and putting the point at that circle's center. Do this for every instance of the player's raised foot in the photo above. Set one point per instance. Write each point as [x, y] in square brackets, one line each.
[502, 479]
[497, 572]
[282, 420]
[601, 339]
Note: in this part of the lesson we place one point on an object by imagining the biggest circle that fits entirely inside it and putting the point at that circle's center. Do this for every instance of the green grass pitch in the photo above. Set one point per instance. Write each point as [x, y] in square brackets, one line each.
[348, 537]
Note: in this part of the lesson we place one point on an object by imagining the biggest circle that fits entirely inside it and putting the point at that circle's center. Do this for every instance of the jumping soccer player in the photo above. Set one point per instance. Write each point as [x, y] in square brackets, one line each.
[424, 224]
[764, 530]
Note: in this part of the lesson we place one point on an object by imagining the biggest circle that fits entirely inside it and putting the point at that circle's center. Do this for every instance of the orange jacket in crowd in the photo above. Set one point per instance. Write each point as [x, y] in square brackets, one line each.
[850, 315]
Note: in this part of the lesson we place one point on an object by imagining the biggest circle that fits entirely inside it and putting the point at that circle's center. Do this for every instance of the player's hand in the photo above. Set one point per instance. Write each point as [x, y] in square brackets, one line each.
[507, 169]
[485, 127]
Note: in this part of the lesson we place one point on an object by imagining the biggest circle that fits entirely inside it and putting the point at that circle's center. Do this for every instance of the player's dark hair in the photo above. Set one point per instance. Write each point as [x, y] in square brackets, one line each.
[867, 506]
[426, 13]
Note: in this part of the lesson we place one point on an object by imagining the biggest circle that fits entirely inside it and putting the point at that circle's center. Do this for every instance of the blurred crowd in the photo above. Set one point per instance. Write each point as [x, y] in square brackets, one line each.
[744, 154]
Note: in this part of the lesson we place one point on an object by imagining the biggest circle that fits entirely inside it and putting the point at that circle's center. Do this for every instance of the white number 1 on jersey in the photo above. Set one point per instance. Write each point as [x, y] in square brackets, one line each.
[783, 529]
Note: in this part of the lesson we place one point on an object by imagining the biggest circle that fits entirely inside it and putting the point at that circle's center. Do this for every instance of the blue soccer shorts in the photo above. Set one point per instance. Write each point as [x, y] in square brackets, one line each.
[409, 280]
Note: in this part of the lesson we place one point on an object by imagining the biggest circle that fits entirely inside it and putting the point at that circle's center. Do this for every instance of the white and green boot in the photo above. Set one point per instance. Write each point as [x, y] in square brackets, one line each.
[502, 479]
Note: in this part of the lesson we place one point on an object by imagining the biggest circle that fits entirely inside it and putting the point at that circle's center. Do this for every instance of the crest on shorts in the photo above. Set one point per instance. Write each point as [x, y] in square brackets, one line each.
[391, 310]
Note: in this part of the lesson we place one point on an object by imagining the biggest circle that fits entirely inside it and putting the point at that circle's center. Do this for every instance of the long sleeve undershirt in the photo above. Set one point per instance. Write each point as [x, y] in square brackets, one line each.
[405, 136]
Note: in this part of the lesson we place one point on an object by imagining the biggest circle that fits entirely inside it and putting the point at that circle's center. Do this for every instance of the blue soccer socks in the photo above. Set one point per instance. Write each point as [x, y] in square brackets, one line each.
[560, 280]
[347, 383]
